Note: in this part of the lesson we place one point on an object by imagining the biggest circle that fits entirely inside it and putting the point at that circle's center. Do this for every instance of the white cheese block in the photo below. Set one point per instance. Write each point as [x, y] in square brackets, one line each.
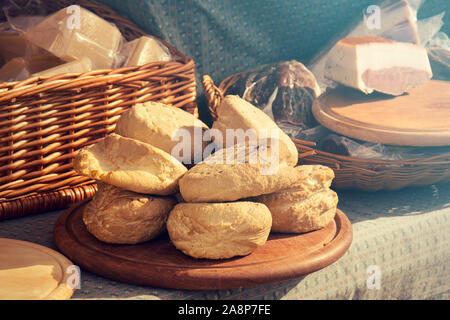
[374, 63]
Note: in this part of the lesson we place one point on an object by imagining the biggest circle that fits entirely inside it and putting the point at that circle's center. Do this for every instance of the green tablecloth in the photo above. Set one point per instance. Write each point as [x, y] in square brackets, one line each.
[405, 234]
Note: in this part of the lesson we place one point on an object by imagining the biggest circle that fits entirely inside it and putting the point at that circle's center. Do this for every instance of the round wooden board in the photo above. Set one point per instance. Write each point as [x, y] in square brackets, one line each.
[158, 263]
[29, 271]
[420, 117]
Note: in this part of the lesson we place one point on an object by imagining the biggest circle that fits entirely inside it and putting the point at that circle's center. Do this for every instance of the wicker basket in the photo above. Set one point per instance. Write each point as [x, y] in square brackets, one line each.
[353, 173]
[45, 120]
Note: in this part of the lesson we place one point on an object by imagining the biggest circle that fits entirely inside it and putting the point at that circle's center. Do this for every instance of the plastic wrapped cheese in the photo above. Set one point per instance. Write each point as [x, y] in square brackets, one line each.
[13, 45]
[145, 50]
[20, 68]
[77, 34]
[397, 21]
[380, 64]
[82, 65]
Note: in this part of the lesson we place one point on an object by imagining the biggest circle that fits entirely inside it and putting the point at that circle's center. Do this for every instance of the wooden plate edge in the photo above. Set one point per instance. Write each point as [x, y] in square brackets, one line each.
[377, 134]
[322, 258]
[62, 291]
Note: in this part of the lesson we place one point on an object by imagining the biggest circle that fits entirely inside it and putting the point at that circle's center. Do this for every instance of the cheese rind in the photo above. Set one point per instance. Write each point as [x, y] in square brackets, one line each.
[92, 38]
[377, 64]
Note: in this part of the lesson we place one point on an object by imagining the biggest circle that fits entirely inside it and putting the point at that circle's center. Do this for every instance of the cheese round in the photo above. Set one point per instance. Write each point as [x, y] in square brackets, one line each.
[219, 230]
[120, 216]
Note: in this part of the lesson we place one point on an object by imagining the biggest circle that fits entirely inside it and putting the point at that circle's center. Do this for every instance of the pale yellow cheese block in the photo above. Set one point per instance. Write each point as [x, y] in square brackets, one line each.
[13, 45]
[130, 164]
[82, 65]
[145, 50]
[32, 272]
[236, 117]
[20, 68]
[165, 127]
[92, 37]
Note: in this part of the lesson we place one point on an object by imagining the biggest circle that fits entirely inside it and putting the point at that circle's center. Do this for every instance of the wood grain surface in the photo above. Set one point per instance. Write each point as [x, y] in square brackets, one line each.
[158, 263]
[29, 271]
[420, 117]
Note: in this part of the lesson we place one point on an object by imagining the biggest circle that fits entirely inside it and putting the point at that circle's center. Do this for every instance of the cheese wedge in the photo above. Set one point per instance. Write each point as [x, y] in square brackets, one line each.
[378, 64]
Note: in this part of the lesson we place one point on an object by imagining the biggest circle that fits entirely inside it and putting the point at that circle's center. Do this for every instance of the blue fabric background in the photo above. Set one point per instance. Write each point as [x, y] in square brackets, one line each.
[228, 36]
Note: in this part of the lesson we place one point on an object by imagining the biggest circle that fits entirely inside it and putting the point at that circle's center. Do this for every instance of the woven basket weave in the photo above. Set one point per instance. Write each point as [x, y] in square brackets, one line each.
[45, 120]
[353, 173]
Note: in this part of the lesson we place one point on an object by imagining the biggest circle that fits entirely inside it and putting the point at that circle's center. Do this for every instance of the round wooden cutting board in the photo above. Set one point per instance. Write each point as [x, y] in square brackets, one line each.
[29, 271]
[158, 263]
[420, 117]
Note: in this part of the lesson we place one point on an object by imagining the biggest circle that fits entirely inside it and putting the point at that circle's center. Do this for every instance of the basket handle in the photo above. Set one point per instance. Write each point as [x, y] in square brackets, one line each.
[213, 94]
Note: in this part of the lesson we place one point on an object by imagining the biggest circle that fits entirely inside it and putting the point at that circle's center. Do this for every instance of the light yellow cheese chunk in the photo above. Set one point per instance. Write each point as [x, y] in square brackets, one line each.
[145, 50]
[82, 65]
[76, 34]
[13, 46]
[20, 68]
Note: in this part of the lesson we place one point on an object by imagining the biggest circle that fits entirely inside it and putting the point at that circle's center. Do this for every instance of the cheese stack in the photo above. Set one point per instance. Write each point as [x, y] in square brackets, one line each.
[225, 214]
[228, 200]
[136, 174]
